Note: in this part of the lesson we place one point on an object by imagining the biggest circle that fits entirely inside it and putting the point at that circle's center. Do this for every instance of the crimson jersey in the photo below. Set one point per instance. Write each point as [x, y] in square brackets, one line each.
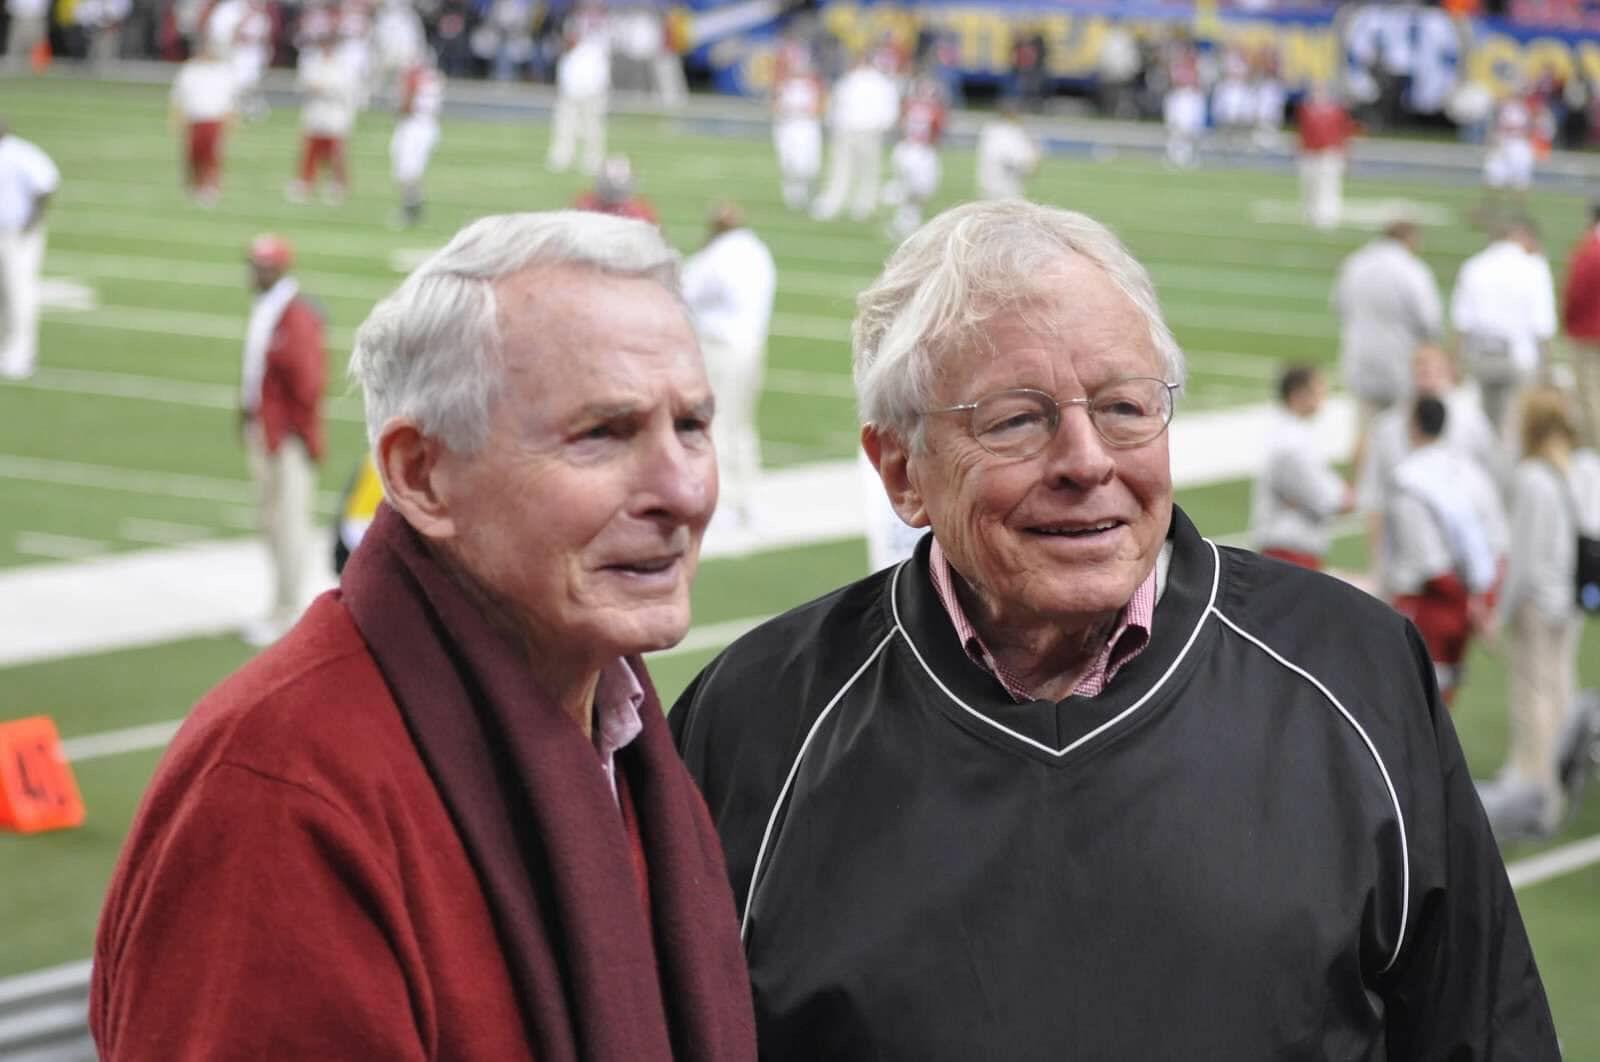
[923, 121]
[632, 207]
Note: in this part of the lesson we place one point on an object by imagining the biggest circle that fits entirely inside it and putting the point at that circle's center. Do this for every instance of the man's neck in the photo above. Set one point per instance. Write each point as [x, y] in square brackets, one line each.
[1046, 657]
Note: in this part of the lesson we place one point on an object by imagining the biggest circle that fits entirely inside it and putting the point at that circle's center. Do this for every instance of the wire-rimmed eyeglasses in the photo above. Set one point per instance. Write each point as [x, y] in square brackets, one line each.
[1022, 421]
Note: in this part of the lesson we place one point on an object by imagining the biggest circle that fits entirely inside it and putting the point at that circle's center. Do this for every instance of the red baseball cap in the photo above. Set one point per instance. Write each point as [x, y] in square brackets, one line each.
[269, 249]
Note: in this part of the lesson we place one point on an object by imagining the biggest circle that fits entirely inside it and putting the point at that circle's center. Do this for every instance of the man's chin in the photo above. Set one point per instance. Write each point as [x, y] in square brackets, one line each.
[652, 634]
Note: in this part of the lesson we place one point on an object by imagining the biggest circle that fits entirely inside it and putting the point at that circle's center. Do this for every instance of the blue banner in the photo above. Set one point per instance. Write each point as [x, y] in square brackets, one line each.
[1335, 45]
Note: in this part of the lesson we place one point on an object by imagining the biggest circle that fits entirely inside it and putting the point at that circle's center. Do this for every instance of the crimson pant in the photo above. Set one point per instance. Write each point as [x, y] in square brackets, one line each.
[1440, 613]
[205, 154]
[320, 150]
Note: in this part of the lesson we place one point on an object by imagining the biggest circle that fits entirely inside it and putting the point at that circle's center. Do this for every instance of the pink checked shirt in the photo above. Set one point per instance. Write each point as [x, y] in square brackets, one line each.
[1131, 635]
[617, 700]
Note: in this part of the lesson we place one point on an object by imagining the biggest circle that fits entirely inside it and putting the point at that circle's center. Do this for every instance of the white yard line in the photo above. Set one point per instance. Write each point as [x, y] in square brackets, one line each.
[1554, 863]
[58, 547]
[139, 481]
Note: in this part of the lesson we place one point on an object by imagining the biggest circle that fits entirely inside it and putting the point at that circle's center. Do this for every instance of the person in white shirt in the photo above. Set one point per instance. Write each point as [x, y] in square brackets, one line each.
[1503, 310]
[1467, 431]
[1555, 496]
[27, 181]
[1296, 493]
[797, 100]
[203, 98]
[583, 88]
[30, 27]
[729, 286]
[415, 134]
[1508, 163]
[1388, 304]
[1183, 107]
[864, 108]
[331, 90]
[914, 162]
[1440, 565]
[1007, 155]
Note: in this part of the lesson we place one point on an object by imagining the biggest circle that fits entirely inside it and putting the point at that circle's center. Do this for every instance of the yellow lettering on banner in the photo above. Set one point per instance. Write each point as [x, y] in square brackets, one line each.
[1250, 36]
[1496, 60]
[1546, 55]
[1309, 56]
[1074, 44]
[983, 37]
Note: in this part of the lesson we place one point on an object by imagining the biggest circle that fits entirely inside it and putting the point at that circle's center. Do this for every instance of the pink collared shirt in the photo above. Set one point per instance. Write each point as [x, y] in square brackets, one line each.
[1127, 640]
[618, 696]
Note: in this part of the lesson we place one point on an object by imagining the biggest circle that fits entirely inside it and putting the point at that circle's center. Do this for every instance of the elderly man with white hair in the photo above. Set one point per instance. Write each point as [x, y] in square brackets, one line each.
[1074, 781]
[443, 817]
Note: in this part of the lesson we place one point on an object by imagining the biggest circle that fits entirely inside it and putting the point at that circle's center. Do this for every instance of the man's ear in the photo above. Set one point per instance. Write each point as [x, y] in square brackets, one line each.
[410, 464]
[890, 455]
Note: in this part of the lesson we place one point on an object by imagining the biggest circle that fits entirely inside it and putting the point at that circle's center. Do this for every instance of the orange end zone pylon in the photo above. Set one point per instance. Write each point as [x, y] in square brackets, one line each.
[37, 790]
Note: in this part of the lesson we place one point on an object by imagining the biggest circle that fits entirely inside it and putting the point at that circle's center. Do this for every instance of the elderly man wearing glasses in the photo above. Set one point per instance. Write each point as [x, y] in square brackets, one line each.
[1074, 781]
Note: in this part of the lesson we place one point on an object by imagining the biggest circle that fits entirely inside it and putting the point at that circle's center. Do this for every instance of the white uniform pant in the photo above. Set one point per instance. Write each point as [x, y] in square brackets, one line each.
[735, 375]
[914, 170]
[1509, 164]
[287, 483]
[1322, 187]
[410, 148]
[578, 118]
[798, 142]
[854, 171]
[21, 254]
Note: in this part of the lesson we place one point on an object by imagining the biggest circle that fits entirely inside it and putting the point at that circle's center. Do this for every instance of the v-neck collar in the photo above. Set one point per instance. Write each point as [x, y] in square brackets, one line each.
[1050, 730]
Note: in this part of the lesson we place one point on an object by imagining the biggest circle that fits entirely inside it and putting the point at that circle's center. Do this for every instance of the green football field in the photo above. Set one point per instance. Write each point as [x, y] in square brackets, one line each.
[126, 440]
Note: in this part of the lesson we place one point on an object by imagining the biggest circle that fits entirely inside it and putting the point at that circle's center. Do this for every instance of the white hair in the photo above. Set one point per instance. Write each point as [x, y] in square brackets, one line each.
[431, 350]
[957, 273]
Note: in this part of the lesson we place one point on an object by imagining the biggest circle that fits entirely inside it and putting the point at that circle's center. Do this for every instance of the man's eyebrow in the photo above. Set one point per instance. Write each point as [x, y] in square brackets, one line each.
[604, 410]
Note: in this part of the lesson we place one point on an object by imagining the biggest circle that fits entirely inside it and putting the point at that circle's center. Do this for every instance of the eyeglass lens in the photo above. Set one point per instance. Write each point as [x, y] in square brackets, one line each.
[1022, 422]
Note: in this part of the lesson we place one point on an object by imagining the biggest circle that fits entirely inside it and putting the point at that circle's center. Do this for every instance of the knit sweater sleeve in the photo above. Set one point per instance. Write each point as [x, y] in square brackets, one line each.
[261, 927]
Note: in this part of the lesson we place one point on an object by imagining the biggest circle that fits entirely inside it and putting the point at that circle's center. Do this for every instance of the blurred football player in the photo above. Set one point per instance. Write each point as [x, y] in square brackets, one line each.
[583, 87]
[331, 92]
[203, 99]
[1183, 108]
[1007, 155]
[415, 134]
[798, 95]
[27, 181]
[914, 162]
[1326, 130]
[864, 107]
[1508, 166]
[613, 193]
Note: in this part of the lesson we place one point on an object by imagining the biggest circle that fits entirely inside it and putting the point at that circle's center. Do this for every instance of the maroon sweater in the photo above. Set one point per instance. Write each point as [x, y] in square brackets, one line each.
[294, 888]
[300, 881]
